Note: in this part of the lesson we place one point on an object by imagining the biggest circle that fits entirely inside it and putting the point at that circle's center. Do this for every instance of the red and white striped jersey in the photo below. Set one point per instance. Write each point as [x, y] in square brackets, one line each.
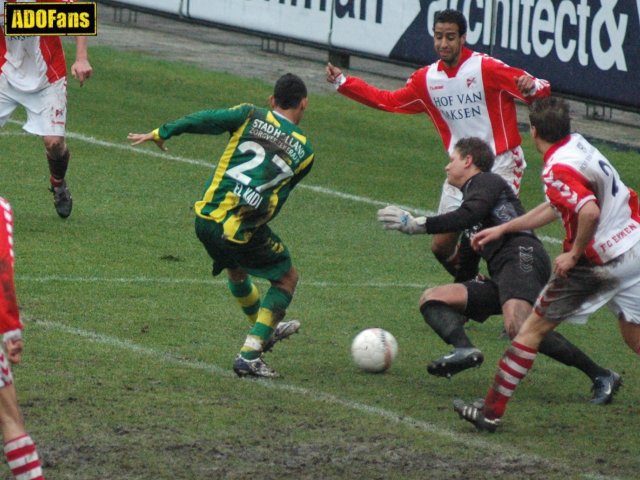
[476, 98]
[9, 313]
[574, 173]
[30, 63]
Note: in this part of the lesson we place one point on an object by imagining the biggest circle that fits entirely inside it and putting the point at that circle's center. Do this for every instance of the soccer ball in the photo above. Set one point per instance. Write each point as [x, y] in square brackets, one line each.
[374, 349]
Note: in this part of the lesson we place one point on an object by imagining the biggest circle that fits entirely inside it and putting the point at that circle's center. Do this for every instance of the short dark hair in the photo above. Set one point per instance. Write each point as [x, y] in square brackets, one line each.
[289, 91]
[479, 150]
[550, 116]
[452, 16]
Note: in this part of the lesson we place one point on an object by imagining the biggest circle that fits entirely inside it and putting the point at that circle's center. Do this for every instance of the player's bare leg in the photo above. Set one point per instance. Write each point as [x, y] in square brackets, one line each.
[19, 449]
[514, 312]
[630, 333]
[512, 368]
[445, 248]
[605, 382]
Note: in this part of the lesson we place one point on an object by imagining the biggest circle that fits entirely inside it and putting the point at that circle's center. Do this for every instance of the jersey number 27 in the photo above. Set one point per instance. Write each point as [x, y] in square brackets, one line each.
[259, 157]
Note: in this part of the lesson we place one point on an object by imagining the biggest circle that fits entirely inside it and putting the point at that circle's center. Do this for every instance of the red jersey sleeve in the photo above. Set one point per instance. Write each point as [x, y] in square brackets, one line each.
[409, 99]
[567, 189]
[502, 77]
[9, 313]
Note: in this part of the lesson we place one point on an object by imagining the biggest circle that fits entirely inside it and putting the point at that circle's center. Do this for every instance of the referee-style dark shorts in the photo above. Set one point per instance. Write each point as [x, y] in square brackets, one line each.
[520, 269]
[264, 256]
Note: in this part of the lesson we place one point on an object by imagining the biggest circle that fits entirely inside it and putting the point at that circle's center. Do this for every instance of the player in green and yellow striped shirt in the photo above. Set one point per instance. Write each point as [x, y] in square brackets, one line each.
[267, 155]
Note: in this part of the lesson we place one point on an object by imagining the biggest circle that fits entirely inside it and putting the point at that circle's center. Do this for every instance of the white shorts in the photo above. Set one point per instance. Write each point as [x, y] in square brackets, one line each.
[6, 378]
[509, 165]
[46, 108]
[588, 288]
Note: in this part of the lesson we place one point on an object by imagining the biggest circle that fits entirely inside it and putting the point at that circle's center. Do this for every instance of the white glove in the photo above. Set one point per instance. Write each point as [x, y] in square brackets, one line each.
[395, 218]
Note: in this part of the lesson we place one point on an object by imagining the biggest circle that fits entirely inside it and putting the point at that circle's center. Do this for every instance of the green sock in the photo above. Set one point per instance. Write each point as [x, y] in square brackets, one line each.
[273, 308]
[248, 297]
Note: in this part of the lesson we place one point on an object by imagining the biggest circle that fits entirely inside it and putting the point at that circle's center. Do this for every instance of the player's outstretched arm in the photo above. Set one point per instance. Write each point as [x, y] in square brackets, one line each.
[488, 235]
[393, 217]
[153, 136]
[540, 216]
[332, 72]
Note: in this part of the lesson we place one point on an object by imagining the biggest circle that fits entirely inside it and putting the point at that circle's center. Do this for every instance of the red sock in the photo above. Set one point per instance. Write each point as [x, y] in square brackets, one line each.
[23, 458]
[513, 367]
[55, 182]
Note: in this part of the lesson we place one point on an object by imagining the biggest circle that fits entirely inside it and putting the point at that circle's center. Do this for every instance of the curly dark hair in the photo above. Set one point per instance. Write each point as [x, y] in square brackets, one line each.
[479, 150]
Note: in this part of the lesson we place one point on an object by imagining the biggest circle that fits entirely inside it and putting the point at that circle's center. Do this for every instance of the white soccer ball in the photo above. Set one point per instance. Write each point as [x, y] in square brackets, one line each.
[374, 349]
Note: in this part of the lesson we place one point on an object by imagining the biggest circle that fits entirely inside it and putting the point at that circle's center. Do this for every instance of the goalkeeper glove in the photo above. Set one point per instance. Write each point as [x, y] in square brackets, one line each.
[395, 218]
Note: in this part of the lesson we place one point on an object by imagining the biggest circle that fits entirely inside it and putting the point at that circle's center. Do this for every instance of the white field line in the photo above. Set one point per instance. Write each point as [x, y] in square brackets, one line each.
[125, 147]
[204, 281]
[4, 133]
[314, 395]
[146, 150]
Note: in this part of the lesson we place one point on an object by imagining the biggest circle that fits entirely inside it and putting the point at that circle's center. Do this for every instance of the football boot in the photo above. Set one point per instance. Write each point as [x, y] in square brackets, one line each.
[458, 360]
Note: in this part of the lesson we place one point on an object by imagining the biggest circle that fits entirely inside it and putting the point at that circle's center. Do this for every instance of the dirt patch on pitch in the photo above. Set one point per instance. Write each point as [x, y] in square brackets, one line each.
[273, 458]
